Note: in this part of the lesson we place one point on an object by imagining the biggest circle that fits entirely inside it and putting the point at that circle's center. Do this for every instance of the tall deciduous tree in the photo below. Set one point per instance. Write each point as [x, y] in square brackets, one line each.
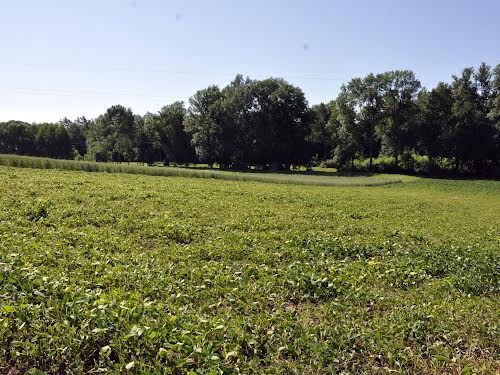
[238, 118]
[435, 123]
[77, 133]
[166, 130]
[401, 111]
[471, 134]
[494, 113]
[320, 133]
[348, 135]
[204, 123]
[367, 95]
[17, 137]
[257, 122]
[112, 135]
[281, 123]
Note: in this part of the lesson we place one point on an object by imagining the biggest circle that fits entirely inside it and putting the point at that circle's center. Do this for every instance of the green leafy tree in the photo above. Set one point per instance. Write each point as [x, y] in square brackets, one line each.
[494, 113]
[401, 110]
[281, 123]
[204, 123]
[320, 133]
[146, 148]
[348, 135]
[239, 121]
[53, 140]
[249, 122]
[167, 132]
[77, 133]
[17, 137]
[435, 122]
[112, 135]
[471, 134]
[367, 96]
[485, 81]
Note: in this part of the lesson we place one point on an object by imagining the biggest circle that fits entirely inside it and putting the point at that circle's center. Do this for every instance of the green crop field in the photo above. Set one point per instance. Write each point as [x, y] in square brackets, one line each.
[147, 274]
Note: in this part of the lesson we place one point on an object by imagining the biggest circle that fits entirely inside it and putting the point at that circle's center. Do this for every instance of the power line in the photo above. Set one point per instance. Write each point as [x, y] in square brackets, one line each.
[84, 93]
[136, 69]
[132, 69]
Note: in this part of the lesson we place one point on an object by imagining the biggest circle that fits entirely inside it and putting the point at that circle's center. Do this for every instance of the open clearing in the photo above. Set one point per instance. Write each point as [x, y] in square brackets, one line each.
[175, 274]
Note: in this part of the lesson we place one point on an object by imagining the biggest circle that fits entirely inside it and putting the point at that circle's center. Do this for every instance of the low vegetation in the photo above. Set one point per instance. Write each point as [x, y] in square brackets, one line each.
[160, 274]
[303, 178]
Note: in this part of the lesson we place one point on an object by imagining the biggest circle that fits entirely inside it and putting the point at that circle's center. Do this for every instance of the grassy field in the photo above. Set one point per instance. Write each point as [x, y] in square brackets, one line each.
[102, 271]
[321, 177]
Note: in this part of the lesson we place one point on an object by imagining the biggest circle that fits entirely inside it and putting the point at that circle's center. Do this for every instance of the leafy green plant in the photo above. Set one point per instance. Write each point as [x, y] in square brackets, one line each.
[134, 273]
[38, 211]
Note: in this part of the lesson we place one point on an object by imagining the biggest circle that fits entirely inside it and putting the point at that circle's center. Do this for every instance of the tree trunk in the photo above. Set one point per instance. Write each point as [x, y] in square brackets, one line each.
[371, 152]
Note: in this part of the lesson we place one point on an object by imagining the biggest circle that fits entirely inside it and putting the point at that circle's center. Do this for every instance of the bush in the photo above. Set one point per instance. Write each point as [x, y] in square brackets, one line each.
[330, 163]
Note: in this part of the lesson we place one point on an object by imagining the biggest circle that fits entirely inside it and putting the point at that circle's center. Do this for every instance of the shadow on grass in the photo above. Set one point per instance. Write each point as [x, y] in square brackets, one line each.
[282, 171]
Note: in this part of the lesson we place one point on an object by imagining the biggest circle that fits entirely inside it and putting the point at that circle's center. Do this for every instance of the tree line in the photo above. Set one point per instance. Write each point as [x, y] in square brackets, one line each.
[268, 124]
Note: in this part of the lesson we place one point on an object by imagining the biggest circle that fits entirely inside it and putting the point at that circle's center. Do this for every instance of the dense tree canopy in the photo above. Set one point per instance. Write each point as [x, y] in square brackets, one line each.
[165, 133]
[250, 122]
[49, 140]
[268, 124]
[205, 124]
[112, 135]
[321, 134]
[434, 132]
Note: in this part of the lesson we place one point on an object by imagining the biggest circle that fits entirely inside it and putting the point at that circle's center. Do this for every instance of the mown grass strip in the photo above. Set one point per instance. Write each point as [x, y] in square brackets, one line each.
[279, 178]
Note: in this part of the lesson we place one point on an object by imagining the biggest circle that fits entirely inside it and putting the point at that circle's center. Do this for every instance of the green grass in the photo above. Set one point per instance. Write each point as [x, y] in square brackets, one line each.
[319, 178]
[170, 275]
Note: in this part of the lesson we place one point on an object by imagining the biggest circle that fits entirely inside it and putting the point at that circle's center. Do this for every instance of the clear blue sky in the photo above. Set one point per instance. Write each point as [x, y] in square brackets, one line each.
[72, 58]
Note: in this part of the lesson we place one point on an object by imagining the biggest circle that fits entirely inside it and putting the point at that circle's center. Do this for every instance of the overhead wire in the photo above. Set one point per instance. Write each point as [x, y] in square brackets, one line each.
[135, 69]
